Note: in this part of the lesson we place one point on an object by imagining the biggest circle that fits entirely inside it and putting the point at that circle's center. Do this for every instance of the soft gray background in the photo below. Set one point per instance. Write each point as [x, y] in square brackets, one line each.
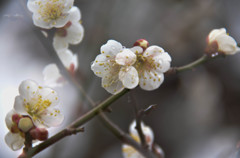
[198, 111]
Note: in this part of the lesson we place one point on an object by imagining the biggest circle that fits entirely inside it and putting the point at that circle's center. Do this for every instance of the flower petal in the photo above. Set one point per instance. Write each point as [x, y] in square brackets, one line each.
[101, 67]
[129, 77]
[226, 44]
[215, 33]
[111, 48]
[126, 57]
[153, 51]
[8, 118]
[19, 105]
[75, 33]
[52, 118]
[150, 80]
[74, 14]
[162, 62]
[28, 89]
[66, 56]
[50, 95]
[130, 152]
[52, 76]
[14, 141]
[60, 43]
[137, 50]
[112, 84]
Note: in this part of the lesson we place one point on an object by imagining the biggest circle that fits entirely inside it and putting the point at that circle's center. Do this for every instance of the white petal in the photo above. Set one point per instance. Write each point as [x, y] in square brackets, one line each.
[162, 62]
[75, 33]
[112, 84]
[130, 152]
[226, 44]
[111, 48]
[129, 77]
[52, 118]
[60, 43]
[147, 131]
[31, 5]
[14, 141]
[153, 51]
[28, 89]
[19, 105]
[101, 67]
[74, 14]
[150, 80]
[8, 119]
[126, 57]
[66, 56]
[52, 76]
[137, 50]
[49, 94]
[215, 33]
[60, 22]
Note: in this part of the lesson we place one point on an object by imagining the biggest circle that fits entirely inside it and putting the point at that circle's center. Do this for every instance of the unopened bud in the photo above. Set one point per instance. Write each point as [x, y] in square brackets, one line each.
[25, 124]
[16, 118]
[39, 133]
[142, 43]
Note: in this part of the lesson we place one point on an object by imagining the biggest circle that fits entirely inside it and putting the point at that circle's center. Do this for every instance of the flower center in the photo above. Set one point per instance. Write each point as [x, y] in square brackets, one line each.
[37, 107]
[50, 10]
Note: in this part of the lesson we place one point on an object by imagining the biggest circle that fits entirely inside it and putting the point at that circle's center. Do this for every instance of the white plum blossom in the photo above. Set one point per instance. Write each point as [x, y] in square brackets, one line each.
[151, 64]
[52, 76]
[130, 152]
[115, 66]
[15, 138]
[38, 103]
[69, 60]
[50, 13]
[219, 41]
[71, 33]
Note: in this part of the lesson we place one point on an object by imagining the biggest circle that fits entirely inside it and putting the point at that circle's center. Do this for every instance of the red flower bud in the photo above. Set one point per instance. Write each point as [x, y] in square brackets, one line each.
[142, 43]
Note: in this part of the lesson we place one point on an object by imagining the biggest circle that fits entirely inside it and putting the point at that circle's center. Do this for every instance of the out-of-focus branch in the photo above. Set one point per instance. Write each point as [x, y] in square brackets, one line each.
[193, 64]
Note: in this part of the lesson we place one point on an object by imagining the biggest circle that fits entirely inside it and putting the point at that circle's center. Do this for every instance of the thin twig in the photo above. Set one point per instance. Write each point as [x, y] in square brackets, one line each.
[138, 121]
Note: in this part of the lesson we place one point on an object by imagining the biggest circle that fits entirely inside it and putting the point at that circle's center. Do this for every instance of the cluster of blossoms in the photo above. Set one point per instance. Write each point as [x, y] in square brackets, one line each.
[66, 18]
[129, 151]
[34, 111]
[121, 67]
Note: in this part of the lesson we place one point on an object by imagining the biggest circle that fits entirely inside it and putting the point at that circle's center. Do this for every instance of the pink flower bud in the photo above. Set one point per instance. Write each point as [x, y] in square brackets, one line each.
[39, 133]
[142, 43]
[16, 118]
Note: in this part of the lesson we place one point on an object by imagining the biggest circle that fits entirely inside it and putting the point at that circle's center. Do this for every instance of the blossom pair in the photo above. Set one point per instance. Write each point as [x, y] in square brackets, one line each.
[121, 67]
[34, 110]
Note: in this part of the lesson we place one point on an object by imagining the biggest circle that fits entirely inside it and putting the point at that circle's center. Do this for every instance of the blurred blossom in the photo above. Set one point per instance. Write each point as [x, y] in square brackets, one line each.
[52, 76]
[69, 60]
[50, 13]
[130, 152]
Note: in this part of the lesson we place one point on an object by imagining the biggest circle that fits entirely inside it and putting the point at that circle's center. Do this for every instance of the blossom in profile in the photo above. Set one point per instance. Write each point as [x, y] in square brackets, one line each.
[52, 76]
[130, 152]
[69, 60]
[151, 63]
[39, 104]
[71, 33]
[17, 125]
[219, 41]
[50, 13]
[115, 66]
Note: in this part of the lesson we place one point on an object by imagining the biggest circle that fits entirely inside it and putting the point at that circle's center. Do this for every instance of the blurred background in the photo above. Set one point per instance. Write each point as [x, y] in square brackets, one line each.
[197, 114]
